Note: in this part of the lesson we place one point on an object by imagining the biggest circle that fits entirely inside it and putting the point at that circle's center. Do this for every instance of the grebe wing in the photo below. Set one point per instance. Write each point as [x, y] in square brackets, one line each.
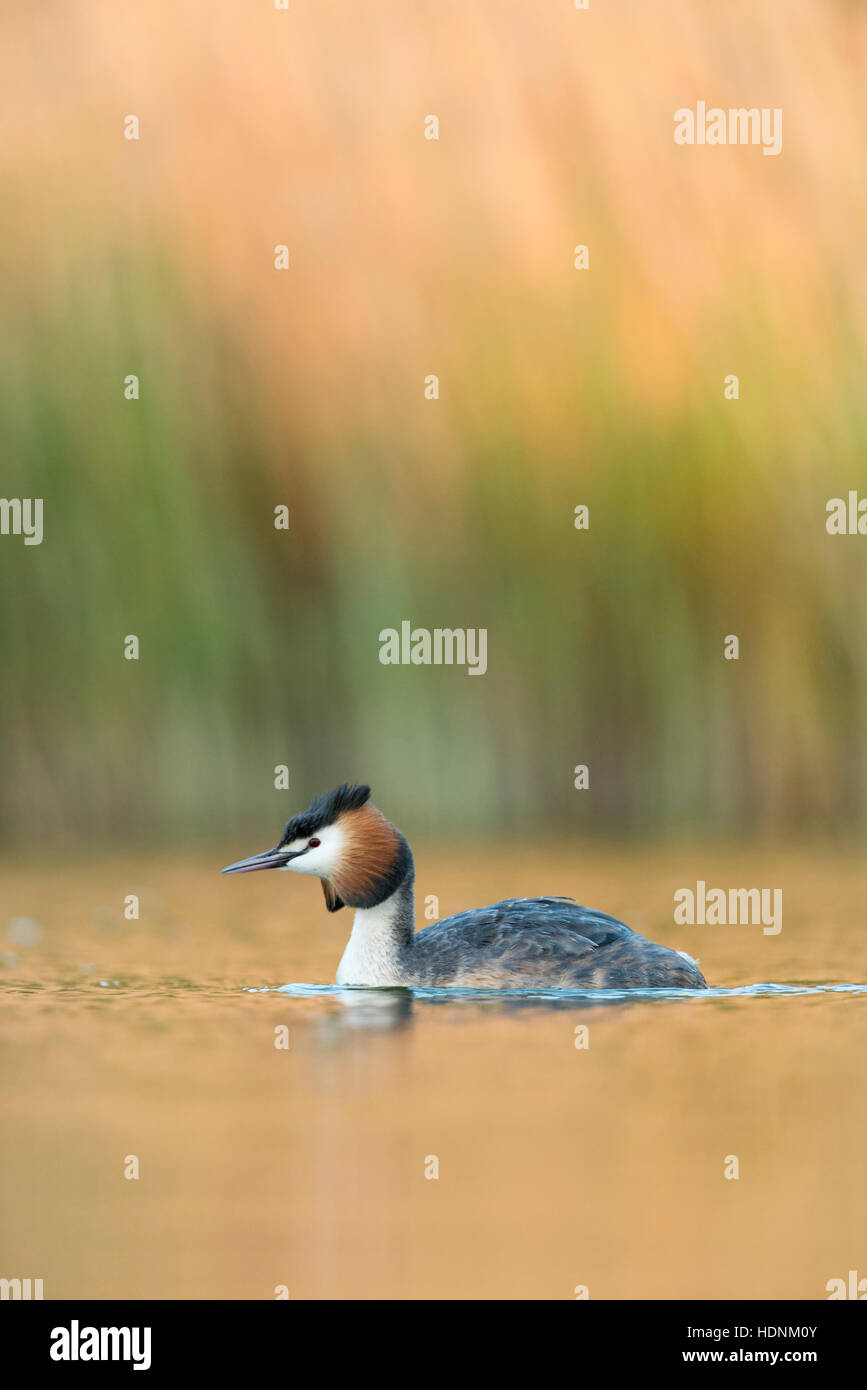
[550, 922]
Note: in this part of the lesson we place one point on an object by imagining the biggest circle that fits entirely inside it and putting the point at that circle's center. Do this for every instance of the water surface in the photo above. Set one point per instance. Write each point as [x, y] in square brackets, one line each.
[558, 1165]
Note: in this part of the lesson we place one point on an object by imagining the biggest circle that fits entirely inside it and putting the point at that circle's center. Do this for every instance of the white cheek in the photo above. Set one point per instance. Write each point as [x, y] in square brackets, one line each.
[309, 863]
[321, 861]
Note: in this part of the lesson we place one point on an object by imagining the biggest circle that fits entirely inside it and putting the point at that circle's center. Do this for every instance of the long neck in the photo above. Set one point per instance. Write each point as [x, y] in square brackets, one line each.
[381, 940]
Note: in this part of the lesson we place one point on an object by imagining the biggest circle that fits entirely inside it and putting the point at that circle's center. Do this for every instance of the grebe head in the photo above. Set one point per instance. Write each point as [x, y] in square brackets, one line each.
[341, 839]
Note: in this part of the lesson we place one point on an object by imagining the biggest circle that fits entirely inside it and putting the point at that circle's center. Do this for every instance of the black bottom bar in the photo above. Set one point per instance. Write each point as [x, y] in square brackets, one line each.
[160, 1337]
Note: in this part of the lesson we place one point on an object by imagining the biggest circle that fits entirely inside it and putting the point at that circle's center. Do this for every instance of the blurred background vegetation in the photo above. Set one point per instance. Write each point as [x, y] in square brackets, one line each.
[558, 387]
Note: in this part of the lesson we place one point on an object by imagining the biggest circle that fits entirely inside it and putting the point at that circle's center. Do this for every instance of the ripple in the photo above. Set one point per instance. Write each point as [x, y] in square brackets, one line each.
[446, 995]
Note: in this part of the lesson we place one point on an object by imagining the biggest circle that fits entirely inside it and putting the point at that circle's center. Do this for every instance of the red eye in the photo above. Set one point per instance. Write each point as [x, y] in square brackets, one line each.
[313, 844]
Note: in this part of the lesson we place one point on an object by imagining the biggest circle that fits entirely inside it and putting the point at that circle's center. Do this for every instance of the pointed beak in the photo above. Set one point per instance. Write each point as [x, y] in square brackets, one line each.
[271, 859]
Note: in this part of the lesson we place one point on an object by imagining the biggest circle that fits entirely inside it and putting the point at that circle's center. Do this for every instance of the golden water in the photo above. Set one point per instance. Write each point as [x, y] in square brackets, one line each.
[305, 1167]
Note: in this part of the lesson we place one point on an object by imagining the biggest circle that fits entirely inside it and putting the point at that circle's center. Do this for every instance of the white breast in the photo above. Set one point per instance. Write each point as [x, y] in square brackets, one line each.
[371, 955]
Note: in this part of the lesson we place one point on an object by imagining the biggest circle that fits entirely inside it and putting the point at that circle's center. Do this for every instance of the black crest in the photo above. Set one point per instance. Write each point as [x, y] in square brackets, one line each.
[324, 810]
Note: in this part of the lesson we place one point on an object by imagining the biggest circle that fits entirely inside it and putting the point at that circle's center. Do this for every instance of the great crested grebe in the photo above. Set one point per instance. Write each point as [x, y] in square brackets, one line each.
[523, 943]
